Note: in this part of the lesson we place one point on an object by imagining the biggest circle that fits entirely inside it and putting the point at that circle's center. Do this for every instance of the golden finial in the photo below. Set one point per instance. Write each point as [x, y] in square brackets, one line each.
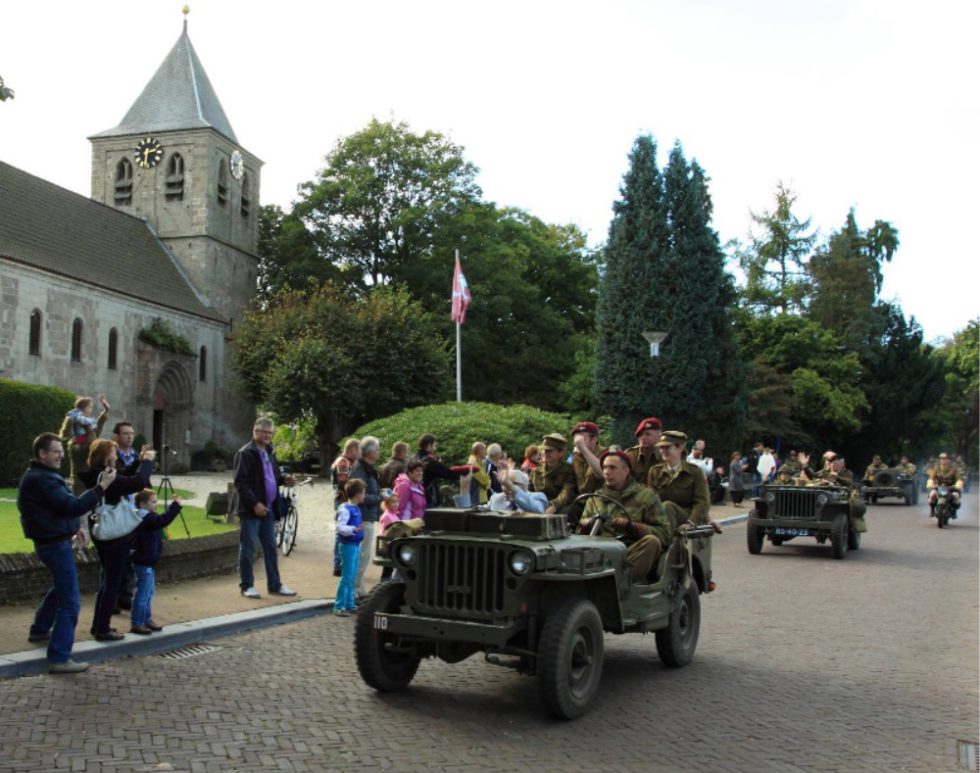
[185, 10]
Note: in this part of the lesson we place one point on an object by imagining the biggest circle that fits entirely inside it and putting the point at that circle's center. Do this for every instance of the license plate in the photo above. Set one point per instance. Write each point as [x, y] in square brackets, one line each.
[380, 623]
[787, 532]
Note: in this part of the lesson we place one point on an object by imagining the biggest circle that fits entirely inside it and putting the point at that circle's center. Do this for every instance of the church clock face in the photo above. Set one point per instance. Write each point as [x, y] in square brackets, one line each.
[237, 165]
[148, 153]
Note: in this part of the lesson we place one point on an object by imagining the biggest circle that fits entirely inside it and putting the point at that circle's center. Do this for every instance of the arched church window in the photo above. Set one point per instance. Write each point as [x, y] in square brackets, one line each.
[175, 178]
[124, 182]
[113, 348]
[222, 182]
[246, 197]
[76, 340]
[34, 345]
[202, 365]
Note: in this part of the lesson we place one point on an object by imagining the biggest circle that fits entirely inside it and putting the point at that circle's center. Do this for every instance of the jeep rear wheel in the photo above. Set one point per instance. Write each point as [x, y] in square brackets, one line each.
[676, 643]
[381, 668]
[754, 536]
[570, 655]
[838, 536]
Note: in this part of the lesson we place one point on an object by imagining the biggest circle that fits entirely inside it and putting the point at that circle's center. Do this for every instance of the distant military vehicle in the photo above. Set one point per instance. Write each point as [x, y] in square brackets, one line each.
[890, 482]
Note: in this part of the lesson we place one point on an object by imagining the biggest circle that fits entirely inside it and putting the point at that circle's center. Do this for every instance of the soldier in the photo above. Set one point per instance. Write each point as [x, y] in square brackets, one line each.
[792, 464]
[646, 530]
[586, 468]
[873, 469]
[680, 484]
[836, 473]
[945, 474]
[553, 476]
[644, 455]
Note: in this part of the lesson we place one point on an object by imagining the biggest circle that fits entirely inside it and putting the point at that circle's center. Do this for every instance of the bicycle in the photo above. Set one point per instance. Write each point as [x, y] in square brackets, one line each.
[287, 516]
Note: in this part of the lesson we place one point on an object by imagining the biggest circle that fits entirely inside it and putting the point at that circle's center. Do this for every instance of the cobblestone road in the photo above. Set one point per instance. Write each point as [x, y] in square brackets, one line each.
[805, 664]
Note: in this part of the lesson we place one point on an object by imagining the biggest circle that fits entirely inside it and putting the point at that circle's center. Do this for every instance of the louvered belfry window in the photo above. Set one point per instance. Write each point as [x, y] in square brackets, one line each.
[124, 182]
[175, 178]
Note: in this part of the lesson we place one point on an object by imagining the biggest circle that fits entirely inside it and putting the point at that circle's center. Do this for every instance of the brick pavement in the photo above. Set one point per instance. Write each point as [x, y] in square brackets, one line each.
[805, 664]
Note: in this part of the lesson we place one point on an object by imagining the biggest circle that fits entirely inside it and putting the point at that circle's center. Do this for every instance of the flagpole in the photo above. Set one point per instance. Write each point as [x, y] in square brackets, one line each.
[459, 358]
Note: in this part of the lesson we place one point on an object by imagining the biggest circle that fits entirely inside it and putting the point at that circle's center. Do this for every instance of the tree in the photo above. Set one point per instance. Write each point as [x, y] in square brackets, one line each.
[5, 93]
[288, 255]
[959, 410]
[628, 297]
[342, 361]
[775, 261]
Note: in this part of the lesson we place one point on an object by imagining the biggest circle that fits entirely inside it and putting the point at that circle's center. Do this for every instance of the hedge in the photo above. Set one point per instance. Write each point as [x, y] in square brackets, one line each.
[27, 410]
[458, 425]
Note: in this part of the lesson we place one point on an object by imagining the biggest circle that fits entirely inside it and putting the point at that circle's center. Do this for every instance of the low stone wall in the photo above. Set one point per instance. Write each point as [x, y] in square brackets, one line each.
[23, 578]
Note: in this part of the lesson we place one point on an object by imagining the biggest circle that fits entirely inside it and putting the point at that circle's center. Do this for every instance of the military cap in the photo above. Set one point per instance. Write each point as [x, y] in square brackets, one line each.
[587, 427]
[617, 451]
[652, 423]
[554, 440]
[672, 438]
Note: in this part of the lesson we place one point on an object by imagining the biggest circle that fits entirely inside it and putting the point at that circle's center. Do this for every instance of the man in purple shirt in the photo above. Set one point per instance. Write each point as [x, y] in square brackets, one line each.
[257, 481]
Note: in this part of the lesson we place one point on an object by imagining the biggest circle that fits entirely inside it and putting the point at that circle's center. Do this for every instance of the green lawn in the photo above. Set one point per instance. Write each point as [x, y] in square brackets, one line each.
[12, 536]
[11, 493]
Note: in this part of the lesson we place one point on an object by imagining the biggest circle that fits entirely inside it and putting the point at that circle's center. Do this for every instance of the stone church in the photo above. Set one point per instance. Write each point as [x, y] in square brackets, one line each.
[166, 242]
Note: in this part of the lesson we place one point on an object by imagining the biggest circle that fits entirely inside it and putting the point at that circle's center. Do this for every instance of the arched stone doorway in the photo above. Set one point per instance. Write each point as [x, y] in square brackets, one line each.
[173, 409]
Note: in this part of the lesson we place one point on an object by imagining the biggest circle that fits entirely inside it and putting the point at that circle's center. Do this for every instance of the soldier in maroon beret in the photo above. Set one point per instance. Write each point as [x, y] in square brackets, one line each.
[644, 454]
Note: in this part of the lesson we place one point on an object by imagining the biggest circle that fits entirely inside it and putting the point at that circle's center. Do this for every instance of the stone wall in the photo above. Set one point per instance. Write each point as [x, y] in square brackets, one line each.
[24, 579]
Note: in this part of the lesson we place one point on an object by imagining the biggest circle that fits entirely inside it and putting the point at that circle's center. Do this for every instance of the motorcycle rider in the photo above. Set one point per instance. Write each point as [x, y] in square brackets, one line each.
[944, 474]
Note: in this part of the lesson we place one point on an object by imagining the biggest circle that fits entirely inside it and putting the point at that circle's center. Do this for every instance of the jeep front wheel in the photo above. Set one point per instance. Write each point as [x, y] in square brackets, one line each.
[676, 643]
[381, 667]
[754, 536]
[570, 654]
[838, 536]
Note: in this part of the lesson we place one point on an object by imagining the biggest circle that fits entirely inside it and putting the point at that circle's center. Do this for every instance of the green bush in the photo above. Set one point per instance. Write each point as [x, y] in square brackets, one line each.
[27, 410]
[458, 425]
[162, 336]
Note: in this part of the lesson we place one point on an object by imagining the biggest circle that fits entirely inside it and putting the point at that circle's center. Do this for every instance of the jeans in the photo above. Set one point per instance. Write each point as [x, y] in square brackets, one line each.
[364, 555]
[336, 552]
[349, 559]
[114, 557]
[58, 611]
[146, 585]
[756, 482]
[262, 530]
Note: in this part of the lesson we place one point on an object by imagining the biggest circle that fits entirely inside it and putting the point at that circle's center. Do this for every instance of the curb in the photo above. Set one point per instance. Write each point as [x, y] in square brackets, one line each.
[733, 519]
[35, 661]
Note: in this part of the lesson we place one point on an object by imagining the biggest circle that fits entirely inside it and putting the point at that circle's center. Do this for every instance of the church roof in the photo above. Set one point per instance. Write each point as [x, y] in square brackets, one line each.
[55, 230]
[178, 96]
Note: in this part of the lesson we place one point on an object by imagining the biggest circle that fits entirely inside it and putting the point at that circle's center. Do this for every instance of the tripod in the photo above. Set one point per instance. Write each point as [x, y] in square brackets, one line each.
[165, 491]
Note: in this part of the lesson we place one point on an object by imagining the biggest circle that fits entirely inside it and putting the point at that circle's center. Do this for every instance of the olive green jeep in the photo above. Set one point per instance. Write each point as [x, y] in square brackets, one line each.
[530, 595]
[890, 482]
[786, 512]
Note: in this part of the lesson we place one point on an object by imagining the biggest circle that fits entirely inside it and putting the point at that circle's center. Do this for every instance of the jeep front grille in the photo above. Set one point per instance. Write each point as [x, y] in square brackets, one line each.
[460, 578]
[793, 504]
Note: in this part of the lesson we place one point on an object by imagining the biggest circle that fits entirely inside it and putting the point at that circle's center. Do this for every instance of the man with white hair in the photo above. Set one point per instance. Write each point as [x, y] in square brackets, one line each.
[365, 469]
[514, 494]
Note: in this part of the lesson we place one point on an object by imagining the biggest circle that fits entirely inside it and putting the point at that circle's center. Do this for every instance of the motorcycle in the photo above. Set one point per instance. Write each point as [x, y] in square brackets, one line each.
[945, 505]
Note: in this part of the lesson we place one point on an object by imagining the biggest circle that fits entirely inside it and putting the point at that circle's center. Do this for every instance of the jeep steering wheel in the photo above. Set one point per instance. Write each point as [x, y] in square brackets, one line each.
[600, 518]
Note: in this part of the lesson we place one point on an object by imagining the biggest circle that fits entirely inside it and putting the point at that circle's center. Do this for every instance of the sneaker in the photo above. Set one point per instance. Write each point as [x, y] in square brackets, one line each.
[342, 612]
[284, 591]
[142, 630]
[68, 667]
[251, 593]
[38, 637]
[151, 624]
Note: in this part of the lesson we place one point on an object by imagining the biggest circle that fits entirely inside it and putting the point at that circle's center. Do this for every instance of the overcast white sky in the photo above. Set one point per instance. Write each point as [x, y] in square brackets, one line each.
[866, 103]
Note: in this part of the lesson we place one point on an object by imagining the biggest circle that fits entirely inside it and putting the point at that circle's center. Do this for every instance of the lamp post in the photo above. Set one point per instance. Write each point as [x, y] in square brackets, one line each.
[655, 337]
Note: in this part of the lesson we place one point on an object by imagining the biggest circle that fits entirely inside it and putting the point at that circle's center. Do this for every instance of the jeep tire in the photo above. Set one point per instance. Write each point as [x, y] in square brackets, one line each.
[677, 642]
[754, 537]
[380, 668]
[838, 535]
[570, 656]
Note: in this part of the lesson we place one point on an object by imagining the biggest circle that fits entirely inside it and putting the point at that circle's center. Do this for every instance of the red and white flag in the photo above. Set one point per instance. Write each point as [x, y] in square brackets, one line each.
[461, 294]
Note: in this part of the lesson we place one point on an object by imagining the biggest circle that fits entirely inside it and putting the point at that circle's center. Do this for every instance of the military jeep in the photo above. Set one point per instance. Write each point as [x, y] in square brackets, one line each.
[890, 482]
[784, 513]
[530, 595]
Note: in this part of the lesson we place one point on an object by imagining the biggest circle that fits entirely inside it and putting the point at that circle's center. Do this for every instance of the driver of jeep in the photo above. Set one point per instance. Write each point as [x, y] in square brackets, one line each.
[945, 474]
[873, 468]
[631, 511]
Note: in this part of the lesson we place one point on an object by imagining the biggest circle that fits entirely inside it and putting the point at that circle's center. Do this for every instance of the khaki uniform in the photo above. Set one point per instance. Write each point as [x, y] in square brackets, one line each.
[586, 482]
[644, 507]
[856, 505]
[945, 477]
[557, 482]
[869, 474]
[685, 493]
[909, 469]
[642, 462]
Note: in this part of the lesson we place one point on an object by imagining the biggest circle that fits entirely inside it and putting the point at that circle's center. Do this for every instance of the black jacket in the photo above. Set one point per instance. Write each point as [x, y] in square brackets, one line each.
[250, 478]
[148, 542]
[48, 510]
[371, 506]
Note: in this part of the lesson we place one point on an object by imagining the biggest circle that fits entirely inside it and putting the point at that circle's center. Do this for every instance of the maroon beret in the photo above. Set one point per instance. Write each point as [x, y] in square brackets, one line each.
[652, 423]
[617, 451]
[587, 427]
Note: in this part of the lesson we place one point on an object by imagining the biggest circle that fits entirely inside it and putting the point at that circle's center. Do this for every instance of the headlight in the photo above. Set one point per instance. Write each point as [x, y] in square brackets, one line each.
[406, 554]
[821, 499]
[521, 563]
[770, 497]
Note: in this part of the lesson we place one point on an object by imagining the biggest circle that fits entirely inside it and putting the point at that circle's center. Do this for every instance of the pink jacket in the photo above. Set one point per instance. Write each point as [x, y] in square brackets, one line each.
[411, 498]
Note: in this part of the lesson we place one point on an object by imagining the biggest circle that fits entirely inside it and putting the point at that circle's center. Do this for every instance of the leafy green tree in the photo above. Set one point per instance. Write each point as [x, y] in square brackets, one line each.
[288, 255]
[847, 278]
[340, 360]
[628, 296]
[959, 409]
[775, 261]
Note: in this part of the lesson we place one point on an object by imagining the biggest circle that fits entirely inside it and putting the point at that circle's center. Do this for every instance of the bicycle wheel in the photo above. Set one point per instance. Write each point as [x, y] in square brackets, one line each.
[280, 531]
[290, 526]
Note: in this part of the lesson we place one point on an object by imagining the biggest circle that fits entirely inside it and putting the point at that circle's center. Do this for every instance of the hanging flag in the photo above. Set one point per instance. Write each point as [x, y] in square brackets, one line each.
[461, 294]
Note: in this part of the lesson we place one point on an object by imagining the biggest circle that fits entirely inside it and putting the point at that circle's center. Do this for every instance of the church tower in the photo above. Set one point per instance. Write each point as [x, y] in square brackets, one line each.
[174, 161]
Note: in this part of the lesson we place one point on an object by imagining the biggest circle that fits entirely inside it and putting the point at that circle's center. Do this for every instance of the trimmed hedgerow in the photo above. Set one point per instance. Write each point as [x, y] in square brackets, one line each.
[27, 410]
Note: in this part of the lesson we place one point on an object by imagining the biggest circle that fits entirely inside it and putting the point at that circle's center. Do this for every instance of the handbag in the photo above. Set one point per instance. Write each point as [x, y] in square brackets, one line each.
[115, 521]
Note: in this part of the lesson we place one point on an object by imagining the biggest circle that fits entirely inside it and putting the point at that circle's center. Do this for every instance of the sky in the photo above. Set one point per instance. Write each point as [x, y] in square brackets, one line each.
[870, 104]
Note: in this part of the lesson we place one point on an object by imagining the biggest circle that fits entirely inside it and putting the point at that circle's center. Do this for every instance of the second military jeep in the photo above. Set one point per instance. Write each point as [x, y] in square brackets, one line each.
[890, 482]
[783, 513]
[530, 595]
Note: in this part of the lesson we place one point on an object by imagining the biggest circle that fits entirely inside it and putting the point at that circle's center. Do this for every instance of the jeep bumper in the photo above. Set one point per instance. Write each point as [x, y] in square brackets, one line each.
[790, 523]
[440, 629]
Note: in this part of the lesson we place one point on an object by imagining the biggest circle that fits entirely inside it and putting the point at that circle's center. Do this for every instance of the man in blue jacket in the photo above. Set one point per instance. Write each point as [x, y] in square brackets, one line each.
[51, 516]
